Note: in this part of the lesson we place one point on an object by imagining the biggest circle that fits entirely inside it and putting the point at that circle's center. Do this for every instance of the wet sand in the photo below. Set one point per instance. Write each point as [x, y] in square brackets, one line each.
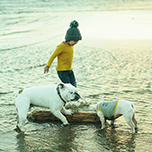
[137, 53]
[127, 37]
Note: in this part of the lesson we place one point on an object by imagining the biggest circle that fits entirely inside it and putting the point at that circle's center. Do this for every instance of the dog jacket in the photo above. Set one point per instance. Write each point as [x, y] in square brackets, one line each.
[108, 109]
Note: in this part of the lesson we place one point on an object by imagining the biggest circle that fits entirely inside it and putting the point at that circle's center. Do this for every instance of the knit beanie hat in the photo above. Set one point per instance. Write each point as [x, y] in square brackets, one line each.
[73, 32]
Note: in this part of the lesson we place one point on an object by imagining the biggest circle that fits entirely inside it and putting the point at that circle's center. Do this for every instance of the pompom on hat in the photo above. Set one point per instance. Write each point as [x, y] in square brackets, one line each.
[73, 32]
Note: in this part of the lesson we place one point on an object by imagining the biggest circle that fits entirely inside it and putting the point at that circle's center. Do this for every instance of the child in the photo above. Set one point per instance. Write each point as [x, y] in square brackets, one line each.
[64, 53]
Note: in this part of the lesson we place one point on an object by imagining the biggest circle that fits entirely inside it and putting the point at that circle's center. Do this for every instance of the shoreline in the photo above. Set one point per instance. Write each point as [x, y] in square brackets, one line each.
[110, 44]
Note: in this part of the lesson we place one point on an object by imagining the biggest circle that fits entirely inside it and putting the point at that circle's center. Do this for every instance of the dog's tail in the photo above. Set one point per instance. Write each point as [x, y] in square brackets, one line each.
[133, 107]
[15, 93]
[93, 107]
[102, 99]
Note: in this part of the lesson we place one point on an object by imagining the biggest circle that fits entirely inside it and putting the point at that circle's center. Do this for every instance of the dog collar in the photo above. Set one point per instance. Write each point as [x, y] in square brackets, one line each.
[58, 91]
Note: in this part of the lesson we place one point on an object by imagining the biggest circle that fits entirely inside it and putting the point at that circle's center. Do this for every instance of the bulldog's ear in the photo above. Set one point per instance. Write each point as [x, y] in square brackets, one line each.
[61, 85]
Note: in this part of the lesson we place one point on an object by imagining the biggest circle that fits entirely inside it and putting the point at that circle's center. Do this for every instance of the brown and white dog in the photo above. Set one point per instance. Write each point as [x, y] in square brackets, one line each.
[114, 109]
[53, 97]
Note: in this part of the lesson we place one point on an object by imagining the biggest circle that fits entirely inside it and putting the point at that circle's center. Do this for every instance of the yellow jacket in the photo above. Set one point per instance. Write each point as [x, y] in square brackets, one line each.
[64, 54]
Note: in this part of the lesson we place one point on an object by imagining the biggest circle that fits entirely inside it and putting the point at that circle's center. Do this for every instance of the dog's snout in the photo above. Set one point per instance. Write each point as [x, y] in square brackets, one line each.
[77, 95]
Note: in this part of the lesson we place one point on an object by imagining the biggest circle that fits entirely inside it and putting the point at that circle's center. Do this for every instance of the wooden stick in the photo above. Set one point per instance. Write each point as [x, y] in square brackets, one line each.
[43, 116]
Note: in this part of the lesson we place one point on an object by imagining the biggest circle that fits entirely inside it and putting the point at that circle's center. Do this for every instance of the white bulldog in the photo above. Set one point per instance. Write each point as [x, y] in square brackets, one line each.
[53, 97]
[114, 109]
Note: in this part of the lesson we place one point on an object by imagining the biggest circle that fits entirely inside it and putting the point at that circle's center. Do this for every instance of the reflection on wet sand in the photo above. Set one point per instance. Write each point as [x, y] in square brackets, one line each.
[116, 141]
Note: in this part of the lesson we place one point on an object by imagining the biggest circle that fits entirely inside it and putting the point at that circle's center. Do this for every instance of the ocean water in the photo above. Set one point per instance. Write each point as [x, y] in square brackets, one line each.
[113, 60]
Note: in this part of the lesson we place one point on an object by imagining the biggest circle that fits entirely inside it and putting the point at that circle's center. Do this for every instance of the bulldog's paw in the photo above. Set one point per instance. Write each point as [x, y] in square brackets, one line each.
[65, 124]
[103, 127]
[68, 112]
[20, 128]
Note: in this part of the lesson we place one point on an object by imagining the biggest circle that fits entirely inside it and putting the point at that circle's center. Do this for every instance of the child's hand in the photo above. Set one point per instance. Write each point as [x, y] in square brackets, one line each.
[46, 69]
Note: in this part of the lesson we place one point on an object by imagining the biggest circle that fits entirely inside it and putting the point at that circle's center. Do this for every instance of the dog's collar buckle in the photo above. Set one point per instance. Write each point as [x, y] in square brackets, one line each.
[58, 91]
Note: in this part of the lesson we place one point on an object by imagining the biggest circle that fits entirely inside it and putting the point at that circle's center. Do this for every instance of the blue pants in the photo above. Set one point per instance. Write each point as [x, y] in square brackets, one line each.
[67, 77]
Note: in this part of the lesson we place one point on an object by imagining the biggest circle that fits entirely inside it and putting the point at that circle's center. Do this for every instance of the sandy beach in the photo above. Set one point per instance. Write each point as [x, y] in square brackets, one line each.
[127, 37]
[133, 58]
[128, 50]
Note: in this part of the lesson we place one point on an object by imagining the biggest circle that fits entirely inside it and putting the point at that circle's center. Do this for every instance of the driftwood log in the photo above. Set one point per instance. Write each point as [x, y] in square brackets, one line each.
[43, 116]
